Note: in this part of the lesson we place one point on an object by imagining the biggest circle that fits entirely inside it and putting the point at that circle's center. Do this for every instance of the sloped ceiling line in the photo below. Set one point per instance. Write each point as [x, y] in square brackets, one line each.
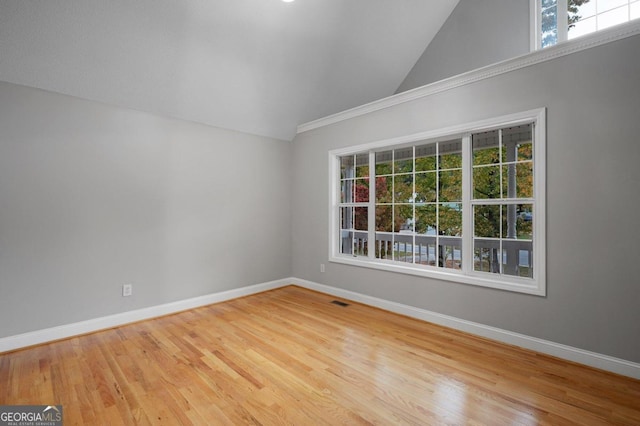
[256, 66]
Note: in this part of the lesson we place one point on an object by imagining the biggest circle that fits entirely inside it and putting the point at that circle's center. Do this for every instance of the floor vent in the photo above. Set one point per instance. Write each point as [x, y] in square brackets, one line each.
[339, 303]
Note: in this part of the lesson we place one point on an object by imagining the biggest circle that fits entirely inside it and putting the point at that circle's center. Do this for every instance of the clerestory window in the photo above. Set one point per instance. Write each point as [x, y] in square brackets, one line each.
[463, 204]
[560, 20]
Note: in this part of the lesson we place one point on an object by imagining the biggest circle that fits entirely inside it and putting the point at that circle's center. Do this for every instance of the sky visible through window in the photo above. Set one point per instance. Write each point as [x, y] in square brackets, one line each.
[583, 17]
[596, 15]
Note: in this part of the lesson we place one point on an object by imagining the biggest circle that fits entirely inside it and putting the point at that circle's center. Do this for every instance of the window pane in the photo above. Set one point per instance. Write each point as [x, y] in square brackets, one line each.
[613, 17]
[346, 242]
[450, 219]
[486, 221]
[509, 221]
[516, 136]
[583, 11]
[361, 219]
[524, 223]
[517, 180]
[403, 188]
[360, 246]
[403, 160]
[353, 242]
[486, 182]
[384, 218]
[581, 19]
[516, 258]
[550, 38]
[452, 160]
[634, 12]
[384, 189]
[426, 187]
[403, 218]
[450, 185]
[346, 218]
[403, 248]
[549, 24]
[362, 171]
[426, 222]
[524, 180]
[525, 262]
[425, 157]
[362, 190]
[425, 250]
[450, 254]
[346, 191]
[384, 163]
[586, 18]
[384, 246]
[486, 256]
[486, 148]
[525, 151]
[362, 165]
[347, 169]
[604, 5]
[486, 156]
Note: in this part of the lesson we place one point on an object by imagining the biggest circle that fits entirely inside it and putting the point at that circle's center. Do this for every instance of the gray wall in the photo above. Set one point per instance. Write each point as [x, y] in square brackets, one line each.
[476, 34]
[93, 197]
[593, 175]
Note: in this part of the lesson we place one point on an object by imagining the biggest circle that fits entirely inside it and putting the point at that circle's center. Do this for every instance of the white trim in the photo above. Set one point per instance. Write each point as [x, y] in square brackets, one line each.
[89, 326]
[593, 359]
[467, 196]
[534, 22]
[539, 194]
[562, 18]
[535, 286]
[581, 356]
[588, 41]
[514, 284]
[334, 169]
[445, 133]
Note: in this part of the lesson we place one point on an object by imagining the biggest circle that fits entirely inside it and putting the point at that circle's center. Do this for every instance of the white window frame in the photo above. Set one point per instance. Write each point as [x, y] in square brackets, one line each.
[535, 285]
[535, 11]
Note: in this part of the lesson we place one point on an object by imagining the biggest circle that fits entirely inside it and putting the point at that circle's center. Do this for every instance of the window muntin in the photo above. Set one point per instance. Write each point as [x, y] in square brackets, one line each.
[466, 207]
[580, 17]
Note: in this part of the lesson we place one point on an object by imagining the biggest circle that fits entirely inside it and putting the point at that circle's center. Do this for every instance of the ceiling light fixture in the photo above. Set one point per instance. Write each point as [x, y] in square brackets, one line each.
[287, 1]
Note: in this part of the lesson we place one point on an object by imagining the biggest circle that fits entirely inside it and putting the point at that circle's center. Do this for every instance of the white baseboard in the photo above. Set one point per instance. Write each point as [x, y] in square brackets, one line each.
[603, 362]
[69, 330]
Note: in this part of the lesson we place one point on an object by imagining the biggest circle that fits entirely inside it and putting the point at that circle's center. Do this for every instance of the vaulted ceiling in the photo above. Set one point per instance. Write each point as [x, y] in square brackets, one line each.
[256, 66]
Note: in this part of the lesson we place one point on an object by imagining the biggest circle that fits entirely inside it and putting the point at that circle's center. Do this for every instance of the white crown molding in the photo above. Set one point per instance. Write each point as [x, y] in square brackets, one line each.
[37, 337]
[604, 362]
[581, 356]
[562, 49]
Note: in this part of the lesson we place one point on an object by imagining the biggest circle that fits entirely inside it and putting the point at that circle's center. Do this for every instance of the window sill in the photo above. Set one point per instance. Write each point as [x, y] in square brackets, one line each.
[514, 284]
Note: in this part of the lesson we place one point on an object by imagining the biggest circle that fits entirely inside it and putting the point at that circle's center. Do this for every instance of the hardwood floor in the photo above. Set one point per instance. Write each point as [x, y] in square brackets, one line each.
[290, 356]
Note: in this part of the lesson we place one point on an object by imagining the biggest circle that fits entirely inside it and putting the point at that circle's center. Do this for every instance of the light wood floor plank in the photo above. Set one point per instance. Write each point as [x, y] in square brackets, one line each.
[290, 356]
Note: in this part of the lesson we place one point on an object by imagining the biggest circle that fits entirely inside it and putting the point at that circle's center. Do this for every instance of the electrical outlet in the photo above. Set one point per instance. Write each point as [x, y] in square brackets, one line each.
[322, 267]
[127, 290]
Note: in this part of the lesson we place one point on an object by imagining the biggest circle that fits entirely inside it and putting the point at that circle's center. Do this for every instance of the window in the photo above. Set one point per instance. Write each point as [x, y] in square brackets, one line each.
[502, 200]
[580, 17]
[463, 204]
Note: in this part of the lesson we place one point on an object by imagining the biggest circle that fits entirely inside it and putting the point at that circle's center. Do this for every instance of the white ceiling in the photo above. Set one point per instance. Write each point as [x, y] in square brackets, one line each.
[256, 66]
